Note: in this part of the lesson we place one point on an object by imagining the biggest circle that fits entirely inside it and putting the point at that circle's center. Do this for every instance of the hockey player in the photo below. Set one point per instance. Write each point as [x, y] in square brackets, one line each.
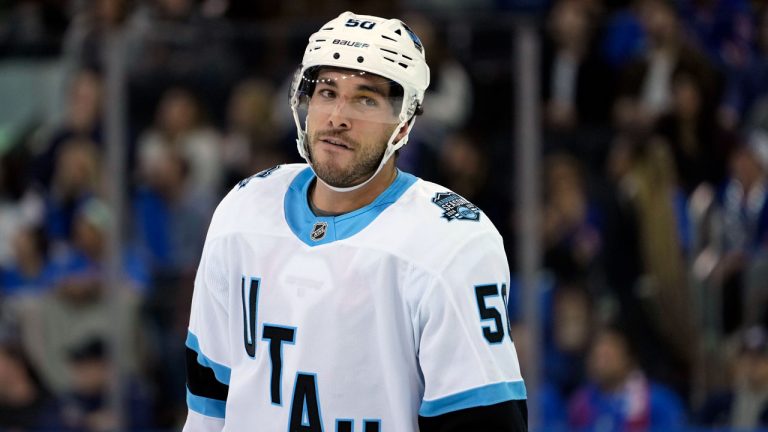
[345, 295]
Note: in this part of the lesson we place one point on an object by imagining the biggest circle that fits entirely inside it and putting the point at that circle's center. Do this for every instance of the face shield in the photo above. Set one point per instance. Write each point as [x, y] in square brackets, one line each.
[335, 97]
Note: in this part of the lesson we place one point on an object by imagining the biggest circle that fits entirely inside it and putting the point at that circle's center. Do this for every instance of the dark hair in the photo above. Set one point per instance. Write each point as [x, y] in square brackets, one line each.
[619, 329]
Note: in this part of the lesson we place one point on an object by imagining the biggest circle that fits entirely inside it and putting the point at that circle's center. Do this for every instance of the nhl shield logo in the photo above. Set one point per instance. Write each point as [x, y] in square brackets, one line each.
[318, 231]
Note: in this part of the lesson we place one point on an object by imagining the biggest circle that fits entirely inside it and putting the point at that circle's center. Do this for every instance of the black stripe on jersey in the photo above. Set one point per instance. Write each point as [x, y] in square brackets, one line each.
[510, 416]
[201, 381]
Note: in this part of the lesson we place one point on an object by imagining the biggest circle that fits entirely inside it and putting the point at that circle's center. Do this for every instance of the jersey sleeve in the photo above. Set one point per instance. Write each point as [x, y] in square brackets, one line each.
[466, 354]
[207, 351]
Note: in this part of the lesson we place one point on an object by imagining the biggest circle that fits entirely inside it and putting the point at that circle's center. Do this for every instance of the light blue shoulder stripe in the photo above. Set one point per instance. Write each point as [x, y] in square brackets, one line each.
[481, 396]
[205, 406]
[222, 372]
[302, 220]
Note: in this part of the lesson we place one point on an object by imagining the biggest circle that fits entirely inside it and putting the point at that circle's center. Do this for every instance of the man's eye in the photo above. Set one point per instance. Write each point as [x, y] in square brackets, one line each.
[327, 93]
[368, 102]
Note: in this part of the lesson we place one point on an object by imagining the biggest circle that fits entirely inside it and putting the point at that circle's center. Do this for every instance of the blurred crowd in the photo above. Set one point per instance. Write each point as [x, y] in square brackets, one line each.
[654, 201]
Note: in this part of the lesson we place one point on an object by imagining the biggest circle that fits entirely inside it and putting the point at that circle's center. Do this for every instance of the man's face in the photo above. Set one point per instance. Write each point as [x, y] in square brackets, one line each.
[349, 121]
[609, 360]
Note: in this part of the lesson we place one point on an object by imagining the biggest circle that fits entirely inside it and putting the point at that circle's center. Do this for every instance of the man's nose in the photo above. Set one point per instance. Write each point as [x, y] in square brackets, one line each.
[338, 117]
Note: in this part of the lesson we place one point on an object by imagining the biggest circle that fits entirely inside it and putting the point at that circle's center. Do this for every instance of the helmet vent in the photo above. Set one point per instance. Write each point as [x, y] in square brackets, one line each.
[389, 51]
[328, 28]
[389, 38]
[405, 66]
[405, 56]
[387, 58]
[399, 32]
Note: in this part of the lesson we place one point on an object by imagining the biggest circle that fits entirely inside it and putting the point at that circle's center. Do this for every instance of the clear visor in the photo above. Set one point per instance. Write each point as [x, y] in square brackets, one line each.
[336, 95]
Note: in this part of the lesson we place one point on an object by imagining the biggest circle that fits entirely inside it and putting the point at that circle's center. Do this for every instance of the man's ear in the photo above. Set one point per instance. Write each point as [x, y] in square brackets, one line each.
[403, 131]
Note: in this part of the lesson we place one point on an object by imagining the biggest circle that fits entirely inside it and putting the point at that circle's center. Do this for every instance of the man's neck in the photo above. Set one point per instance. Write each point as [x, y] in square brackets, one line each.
[327, 202]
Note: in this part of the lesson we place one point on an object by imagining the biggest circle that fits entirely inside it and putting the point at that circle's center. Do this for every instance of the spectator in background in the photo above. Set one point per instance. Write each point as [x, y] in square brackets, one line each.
[568, 326]
[90, 28]
[88, 247]
[745, 405]
[20, 204]
[646, 230]
[663, 223]
[252, 140]
[181, 127]
[87, 405]
[567, 343]
[177, 44]
[571, 222]
[75, 179]
[645, 86]
[33, 28]
[171, 215]
[746, 88]
[722, 29]
[742, 221]
[692, 132]
[552, 408]
[576, 83]
[81, 122]
[31, 271]
[77, 307]
[624, 38]
[746, 102]
[622, 262]
[75, 311]
[25, 402]
[619, 396]
[170, 225]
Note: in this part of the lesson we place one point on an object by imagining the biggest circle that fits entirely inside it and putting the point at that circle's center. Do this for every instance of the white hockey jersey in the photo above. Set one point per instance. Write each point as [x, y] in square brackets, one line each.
[358, 322]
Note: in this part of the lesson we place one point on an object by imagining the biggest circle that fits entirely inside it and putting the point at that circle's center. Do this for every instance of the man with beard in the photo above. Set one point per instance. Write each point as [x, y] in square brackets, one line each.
[346, 295]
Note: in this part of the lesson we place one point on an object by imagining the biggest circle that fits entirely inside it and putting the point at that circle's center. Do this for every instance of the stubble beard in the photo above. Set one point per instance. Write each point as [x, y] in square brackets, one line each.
[365, 162]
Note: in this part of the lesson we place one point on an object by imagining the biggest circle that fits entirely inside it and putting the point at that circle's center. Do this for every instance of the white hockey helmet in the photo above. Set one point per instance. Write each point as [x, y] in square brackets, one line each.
[368, 44]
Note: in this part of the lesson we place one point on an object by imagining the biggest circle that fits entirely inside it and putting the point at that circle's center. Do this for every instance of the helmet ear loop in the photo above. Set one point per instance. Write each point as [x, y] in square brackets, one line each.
[404, 140]
[408, 117]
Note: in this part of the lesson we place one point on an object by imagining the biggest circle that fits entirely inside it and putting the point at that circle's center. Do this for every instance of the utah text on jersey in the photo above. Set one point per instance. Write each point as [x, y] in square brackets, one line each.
[383, 319]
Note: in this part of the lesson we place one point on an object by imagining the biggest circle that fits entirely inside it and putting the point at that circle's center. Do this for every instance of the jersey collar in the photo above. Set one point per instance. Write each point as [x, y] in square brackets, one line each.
[317, 230]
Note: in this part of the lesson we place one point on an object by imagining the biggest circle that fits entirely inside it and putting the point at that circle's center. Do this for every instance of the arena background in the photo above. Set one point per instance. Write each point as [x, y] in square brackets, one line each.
[620, 147]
